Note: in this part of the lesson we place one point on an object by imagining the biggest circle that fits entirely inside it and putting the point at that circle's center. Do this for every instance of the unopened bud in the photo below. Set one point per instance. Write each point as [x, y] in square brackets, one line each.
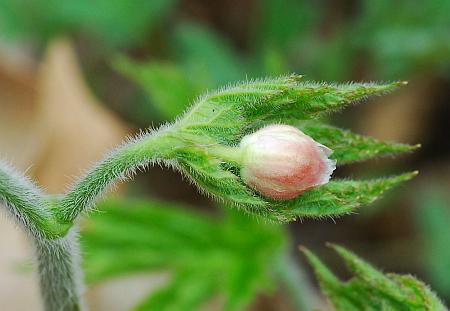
[281, 162]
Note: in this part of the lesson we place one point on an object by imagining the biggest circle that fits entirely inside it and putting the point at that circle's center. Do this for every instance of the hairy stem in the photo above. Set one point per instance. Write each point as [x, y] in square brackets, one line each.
[23, 200]
[48, 219]
[59, 273]
[119, 165]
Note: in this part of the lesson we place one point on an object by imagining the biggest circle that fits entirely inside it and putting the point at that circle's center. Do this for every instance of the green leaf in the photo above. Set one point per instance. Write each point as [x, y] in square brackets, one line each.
[231, 257]
[186, 291]
[349, 147]
[243, 284]
[370, 289]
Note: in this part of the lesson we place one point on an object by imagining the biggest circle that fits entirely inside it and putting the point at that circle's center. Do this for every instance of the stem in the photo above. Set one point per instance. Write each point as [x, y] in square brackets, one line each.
[119, 165]
[48, 219]
[23, 200]
[59, 273]
[294, 281]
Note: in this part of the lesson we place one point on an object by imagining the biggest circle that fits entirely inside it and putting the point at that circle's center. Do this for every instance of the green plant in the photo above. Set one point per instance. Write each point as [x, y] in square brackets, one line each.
[395, 40]
[204, 145]
[232, 257]
[370, 289]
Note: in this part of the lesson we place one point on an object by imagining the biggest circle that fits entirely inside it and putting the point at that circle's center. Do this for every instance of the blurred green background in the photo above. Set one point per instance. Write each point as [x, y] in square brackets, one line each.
[76, 77]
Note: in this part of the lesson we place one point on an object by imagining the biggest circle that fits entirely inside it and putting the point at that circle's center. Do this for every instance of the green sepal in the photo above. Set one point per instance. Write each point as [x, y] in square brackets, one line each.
[336, 198]
[350, 147]
[231, 112]
[213, 179]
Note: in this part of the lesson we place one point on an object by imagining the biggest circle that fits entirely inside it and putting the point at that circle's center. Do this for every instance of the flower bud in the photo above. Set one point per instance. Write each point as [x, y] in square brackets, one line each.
[281, 162]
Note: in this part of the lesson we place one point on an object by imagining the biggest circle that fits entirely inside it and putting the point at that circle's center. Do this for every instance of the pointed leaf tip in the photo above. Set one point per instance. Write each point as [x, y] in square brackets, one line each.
[349, 147]
[369, 288]
[325, 276]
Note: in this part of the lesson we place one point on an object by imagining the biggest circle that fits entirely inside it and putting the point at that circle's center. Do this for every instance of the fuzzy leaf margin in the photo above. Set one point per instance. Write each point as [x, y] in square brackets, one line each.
[337, 198]
[370, 289]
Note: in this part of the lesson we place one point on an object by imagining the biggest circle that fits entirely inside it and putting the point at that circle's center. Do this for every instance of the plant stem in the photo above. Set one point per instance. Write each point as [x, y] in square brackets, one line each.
[292, 277]
[59, 273]
[58, 258]
[119, 165]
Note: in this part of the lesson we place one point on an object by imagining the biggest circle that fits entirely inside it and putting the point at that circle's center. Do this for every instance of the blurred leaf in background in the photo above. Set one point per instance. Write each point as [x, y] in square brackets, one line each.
[386, 39]
[114, 23]
[167, 86]
[206, 55]
[203, 60]
[432, 217]
[370, 289]
[280, 25]
[282, 22]
[368, 40]
[233, 258]
[405, 36]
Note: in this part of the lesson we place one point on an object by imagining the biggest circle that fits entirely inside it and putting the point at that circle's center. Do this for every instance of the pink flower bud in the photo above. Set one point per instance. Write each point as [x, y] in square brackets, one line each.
[281, 162]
